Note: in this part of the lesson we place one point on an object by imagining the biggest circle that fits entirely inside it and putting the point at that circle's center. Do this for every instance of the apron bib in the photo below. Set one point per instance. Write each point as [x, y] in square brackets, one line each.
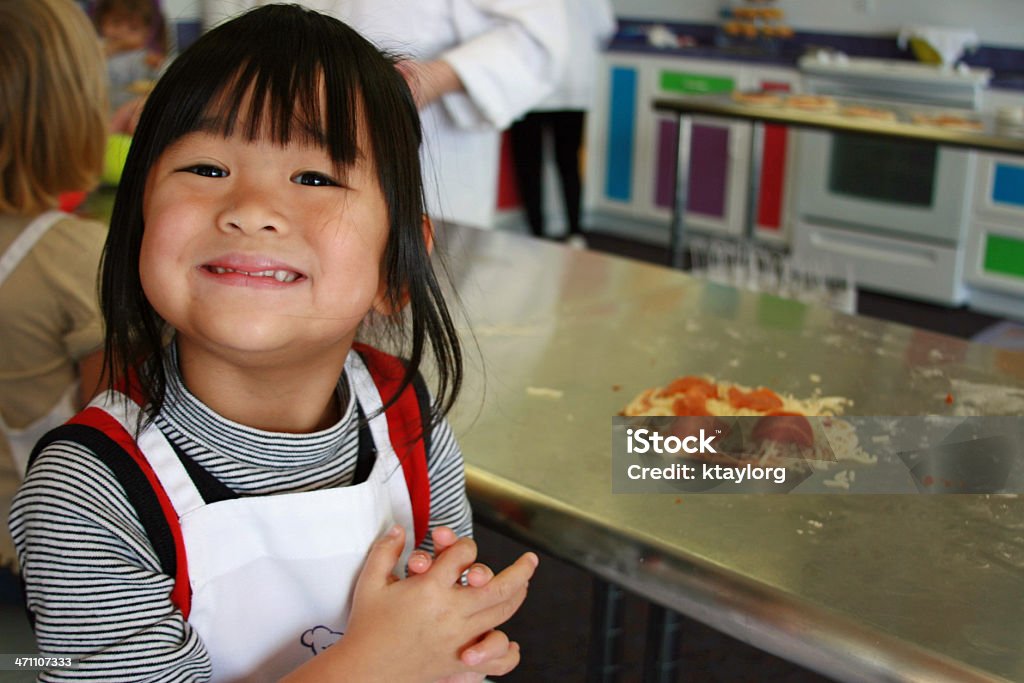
[22, 440]
[272, 576]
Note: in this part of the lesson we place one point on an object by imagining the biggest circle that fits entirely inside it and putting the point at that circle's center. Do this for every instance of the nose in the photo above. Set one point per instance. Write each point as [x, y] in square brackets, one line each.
[251, 209]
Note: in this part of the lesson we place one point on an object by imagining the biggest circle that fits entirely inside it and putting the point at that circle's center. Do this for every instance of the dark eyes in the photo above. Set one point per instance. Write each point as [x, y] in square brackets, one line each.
[308, 178]
[314, 179]
[206, 171]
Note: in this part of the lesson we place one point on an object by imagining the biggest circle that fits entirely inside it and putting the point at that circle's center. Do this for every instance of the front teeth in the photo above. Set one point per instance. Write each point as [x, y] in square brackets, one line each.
[279, 275]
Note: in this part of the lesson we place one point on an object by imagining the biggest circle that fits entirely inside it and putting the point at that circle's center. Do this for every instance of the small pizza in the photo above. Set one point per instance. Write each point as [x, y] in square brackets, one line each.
[783, 436]
[823, 103]
[693, 395]
[862, 112]
[950, 121]
[757, 99]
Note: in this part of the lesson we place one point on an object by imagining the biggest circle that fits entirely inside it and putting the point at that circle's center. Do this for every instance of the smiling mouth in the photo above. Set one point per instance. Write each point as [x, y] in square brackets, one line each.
[279, 275]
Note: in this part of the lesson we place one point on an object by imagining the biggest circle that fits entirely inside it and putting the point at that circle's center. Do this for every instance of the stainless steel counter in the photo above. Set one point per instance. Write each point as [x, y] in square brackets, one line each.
[893, 588]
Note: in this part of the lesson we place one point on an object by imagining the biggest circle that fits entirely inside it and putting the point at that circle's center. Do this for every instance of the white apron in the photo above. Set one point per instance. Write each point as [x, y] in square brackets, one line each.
[21, 441]
[272, 576]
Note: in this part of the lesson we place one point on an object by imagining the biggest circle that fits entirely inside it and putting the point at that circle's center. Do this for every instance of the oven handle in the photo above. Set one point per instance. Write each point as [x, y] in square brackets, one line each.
[864, 247]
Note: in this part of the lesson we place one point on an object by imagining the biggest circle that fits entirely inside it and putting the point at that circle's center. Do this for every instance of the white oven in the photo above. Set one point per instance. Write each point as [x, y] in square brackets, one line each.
[895, 211]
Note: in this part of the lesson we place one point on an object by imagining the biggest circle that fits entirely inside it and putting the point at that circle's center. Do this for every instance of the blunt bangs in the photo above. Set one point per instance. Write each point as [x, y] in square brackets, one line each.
[261, 76]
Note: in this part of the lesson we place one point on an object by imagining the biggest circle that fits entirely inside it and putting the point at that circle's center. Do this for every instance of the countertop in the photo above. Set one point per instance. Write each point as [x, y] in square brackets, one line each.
[858, 587]
[992, 135]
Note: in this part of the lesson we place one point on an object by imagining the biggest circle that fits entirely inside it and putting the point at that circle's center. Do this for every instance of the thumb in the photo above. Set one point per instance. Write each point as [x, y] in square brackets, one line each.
[383, 556]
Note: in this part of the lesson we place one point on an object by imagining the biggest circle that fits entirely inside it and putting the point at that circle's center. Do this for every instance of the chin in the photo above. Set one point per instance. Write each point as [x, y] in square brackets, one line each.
[260, 342]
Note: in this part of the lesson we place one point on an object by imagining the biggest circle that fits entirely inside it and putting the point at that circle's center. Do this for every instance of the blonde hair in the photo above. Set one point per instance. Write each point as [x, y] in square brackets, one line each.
[53, 103]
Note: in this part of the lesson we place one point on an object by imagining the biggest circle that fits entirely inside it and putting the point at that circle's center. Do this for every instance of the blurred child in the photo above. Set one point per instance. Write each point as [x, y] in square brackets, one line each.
[236, 510]
[53, 118]
[135, 43]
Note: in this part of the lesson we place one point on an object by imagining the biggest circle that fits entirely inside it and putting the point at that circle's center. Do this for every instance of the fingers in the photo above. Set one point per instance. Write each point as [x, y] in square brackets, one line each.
[493, 645]
[500, 611]
[449, 566]
[499, 599]
[479, 575]
[443, 538]
[383, 556]
[419, 562]
[493, 654]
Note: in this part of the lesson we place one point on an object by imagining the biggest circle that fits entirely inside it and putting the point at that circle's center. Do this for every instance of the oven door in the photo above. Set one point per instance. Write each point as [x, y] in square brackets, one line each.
[887, 186]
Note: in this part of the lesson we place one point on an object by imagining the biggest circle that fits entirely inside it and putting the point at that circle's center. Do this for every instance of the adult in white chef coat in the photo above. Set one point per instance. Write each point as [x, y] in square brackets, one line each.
[561, 116]
[476, 65]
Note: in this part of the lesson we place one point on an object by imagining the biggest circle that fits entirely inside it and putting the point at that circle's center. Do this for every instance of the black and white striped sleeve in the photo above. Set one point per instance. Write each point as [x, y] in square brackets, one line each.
[93, 582]
[449, 505]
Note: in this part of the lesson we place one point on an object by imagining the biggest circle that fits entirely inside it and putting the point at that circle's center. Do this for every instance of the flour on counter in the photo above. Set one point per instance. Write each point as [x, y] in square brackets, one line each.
[842, 480]
[544, 392]
[975, 398]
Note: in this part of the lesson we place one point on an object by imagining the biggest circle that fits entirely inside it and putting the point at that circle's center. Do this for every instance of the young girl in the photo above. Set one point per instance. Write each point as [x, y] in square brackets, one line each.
[53, 116]
[212, 519]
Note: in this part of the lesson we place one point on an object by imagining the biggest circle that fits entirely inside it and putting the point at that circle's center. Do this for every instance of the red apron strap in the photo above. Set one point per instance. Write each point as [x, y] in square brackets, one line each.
[181, 594]
[407, 427]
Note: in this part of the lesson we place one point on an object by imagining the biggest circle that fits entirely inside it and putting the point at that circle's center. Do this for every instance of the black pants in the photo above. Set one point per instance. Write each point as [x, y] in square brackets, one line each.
[527, 138]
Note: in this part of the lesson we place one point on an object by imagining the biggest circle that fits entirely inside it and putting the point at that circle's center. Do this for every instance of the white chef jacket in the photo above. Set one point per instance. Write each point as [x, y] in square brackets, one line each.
[591, 24]
[508, 54]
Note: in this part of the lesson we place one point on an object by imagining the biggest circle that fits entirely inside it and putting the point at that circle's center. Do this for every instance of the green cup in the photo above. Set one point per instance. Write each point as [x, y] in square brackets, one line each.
[113, 159]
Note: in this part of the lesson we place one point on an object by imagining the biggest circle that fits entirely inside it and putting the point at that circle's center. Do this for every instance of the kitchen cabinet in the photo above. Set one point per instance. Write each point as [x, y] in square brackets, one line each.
[772, 219]
[994, 268]
[631, 161]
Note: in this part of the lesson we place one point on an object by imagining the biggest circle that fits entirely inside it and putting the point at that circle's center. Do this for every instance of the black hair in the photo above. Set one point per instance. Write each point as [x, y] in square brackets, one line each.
[301, 73]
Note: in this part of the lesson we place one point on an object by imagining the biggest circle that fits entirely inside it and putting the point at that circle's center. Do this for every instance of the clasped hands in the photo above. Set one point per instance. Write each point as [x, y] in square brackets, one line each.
[441, 627]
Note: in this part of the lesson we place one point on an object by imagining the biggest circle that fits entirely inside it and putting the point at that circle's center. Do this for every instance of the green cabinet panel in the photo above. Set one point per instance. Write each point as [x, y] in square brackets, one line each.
[1004, 255]
[694, 84]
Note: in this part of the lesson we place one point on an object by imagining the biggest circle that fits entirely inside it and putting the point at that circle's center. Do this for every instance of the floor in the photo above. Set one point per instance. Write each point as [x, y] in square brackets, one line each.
[553, 627]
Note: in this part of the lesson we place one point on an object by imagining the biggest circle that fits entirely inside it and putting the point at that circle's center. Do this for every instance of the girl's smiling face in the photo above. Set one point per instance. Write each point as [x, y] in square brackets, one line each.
[262, 249]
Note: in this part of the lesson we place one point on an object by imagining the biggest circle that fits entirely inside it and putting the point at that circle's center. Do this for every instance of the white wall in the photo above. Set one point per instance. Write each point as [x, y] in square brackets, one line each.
[998, 22]
[182, 9]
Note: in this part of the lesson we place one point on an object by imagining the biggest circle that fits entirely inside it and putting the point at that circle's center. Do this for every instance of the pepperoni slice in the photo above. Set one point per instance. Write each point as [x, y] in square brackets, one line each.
[784, 427]
[691, 425]
[689, 404]
[762, 400]
[692, 386]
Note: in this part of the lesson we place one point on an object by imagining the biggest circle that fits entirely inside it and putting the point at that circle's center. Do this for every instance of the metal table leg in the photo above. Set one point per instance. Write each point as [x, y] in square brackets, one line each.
[661, 658]
[605, 656]
[754, 180]
[677, 235]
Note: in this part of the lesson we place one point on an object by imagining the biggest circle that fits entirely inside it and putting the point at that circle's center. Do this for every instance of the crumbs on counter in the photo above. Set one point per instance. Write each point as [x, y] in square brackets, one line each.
[544, 392]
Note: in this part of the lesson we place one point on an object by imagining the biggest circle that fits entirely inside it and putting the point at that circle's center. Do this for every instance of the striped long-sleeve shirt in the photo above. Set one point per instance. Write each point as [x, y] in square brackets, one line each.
[93, 580]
